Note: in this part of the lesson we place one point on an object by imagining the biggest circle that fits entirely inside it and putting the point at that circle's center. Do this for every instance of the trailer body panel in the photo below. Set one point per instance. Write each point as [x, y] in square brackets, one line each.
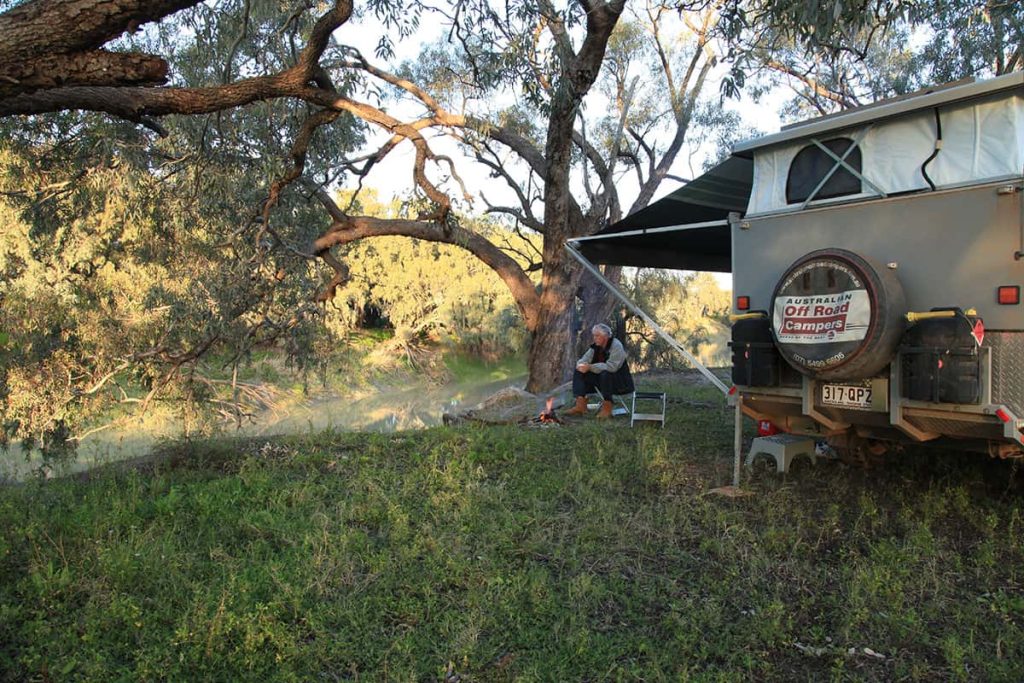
[948, 248]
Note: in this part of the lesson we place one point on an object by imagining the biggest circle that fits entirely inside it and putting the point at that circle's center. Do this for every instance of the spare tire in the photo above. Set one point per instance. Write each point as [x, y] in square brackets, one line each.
[835, 315]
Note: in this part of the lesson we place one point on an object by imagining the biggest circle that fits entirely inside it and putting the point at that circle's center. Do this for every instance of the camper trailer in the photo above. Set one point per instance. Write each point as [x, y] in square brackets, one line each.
[877, 258]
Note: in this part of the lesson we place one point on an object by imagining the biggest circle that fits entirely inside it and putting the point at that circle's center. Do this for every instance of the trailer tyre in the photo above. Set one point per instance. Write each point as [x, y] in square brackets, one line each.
[836, 315]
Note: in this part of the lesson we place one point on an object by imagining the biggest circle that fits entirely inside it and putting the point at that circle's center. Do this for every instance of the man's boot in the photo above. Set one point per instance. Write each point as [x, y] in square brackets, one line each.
[580, 408]
[606, 410]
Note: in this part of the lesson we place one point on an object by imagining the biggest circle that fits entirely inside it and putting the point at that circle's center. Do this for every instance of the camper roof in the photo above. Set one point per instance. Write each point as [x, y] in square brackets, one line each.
[922, 99]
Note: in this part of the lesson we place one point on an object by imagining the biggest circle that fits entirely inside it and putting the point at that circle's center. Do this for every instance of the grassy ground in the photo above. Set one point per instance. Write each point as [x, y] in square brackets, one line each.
[588, 552]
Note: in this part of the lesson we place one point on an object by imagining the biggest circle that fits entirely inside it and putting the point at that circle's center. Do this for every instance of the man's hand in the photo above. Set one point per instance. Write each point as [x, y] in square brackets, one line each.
[583, 367]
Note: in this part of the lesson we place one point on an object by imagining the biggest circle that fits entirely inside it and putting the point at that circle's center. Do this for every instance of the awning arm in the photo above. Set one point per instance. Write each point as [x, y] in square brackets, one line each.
[646, 318]
[651, 231]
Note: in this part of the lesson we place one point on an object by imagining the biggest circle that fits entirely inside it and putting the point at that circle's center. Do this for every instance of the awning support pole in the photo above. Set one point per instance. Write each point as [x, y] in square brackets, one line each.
[738, 443]
[646, 318]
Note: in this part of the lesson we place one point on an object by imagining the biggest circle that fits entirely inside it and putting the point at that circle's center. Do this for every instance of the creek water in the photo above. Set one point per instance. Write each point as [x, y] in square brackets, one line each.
[412, 406]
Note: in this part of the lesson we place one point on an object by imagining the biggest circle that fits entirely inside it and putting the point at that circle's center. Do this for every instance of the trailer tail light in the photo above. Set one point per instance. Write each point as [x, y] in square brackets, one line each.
[1008, 295]
[1003, 415]
[743, 303]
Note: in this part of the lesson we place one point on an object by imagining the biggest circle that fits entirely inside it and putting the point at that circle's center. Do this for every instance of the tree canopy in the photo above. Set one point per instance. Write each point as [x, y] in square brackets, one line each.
[235, 54]
[844, 54]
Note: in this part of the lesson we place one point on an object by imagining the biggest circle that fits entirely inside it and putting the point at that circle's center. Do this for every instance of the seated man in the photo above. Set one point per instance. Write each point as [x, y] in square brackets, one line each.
[602, 368]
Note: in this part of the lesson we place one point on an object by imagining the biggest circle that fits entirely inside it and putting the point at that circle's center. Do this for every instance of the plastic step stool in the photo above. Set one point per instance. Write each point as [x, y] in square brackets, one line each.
[783, 448]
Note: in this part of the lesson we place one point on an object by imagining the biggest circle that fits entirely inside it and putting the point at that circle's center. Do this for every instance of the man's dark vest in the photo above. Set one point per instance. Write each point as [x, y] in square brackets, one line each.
[622, 379]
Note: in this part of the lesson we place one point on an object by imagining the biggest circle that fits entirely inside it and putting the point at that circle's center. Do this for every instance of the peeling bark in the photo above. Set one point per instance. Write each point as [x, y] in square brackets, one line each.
[94, 67]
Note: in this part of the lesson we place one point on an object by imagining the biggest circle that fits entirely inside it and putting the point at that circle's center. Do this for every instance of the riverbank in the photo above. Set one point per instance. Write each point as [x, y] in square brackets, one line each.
[373, 389]
[594, 551]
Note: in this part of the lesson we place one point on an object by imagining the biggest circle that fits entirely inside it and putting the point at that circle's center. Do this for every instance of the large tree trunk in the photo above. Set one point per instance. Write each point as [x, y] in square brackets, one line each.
[551, 351]
[598, 305]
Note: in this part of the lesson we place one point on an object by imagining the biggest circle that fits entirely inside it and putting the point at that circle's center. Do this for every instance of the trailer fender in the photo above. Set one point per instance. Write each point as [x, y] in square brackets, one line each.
[836, 315]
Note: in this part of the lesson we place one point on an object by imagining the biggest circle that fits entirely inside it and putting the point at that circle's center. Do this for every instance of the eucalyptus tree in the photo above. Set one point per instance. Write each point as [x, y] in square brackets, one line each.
[559, 105]
[132, 261]
[126, 278]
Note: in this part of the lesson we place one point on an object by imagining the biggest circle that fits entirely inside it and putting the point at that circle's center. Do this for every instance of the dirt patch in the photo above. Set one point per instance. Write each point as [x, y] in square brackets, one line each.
[510, 405]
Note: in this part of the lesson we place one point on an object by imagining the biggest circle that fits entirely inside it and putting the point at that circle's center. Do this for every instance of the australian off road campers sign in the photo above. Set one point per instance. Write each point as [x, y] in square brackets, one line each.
[843, 316]
[823, 309]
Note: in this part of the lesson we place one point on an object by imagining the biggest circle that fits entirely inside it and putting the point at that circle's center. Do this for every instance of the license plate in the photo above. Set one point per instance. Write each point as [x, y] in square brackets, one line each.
[846, 396]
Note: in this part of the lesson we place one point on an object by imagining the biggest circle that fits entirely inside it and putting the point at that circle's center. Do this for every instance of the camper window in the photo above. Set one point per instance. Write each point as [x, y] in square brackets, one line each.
[811, 164]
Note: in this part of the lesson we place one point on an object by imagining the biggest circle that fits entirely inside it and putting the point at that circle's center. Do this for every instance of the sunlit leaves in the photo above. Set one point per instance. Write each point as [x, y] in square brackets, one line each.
[692, 308]
[469, 306]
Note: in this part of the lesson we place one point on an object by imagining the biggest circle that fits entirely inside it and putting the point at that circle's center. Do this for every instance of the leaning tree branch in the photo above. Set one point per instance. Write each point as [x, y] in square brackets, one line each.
[340, 277]
[355, 228]
[528, 221]
[94, 67]
[684, 104]
[815, 86]
[331, 206]
[246, 10]
[442, 117]
[132, 103]
[47, 44]
[533, 265]
[495, 164]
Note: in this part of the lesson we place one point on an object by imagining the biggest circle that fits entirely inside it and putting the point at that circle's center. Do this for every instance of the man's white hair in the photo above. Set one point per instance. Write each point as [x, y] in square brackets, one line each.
[603, 329]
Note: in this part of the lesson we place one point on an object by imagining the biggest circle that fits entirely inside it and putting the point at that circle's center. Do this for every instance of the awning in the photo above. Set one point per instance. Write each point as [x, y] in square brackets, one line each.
[686, 230]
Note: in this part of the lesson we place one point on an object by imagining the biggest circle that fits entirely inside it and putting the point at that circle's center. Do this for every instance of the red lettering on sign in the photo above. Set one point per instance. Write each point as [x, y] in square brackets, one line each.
[814, 325]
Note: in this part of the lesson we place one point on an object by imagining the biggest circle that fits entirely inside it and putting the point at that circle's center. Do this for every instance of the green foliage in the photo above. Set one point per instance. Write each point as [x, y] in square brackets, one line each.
[512, 554]
[126, 283]
[844, 54]
[970, 39]
[692, 308]
[120, 274]
[469, 306]
[426, 289]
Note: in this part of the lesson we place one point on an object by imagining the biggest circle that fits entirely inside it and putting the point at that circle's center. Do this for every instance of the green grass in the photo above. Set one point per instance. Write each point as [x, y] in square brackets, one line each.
[591, 552]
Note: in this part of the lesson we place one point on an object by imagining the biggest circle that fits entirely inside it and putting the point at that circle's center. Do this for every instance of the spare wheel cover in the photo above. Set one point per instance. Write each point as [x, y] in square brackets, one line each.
[837, 316]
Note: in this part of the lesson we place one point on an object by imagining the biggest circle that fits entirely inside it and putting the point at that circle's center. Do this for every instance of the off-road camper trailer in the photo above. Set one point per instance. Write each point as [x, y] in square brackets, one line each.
[878, 261]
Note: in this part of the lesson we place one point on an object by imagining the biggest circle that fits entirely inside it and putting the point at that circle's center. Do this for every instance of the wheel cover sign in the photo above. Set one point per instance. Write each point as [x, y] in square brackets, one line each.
[822, 318]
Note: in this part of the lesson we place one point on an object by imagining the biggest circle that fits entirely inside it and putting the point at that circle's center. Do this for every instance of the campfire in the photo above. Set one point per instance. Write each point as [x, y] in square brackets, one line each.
[548, 416]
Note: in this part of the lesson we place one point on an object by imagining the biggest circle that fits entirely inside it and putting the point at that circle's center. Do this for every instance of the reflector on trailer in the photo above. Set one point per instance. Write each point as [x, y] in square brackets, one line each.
[1008, 295]
[743, 303]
